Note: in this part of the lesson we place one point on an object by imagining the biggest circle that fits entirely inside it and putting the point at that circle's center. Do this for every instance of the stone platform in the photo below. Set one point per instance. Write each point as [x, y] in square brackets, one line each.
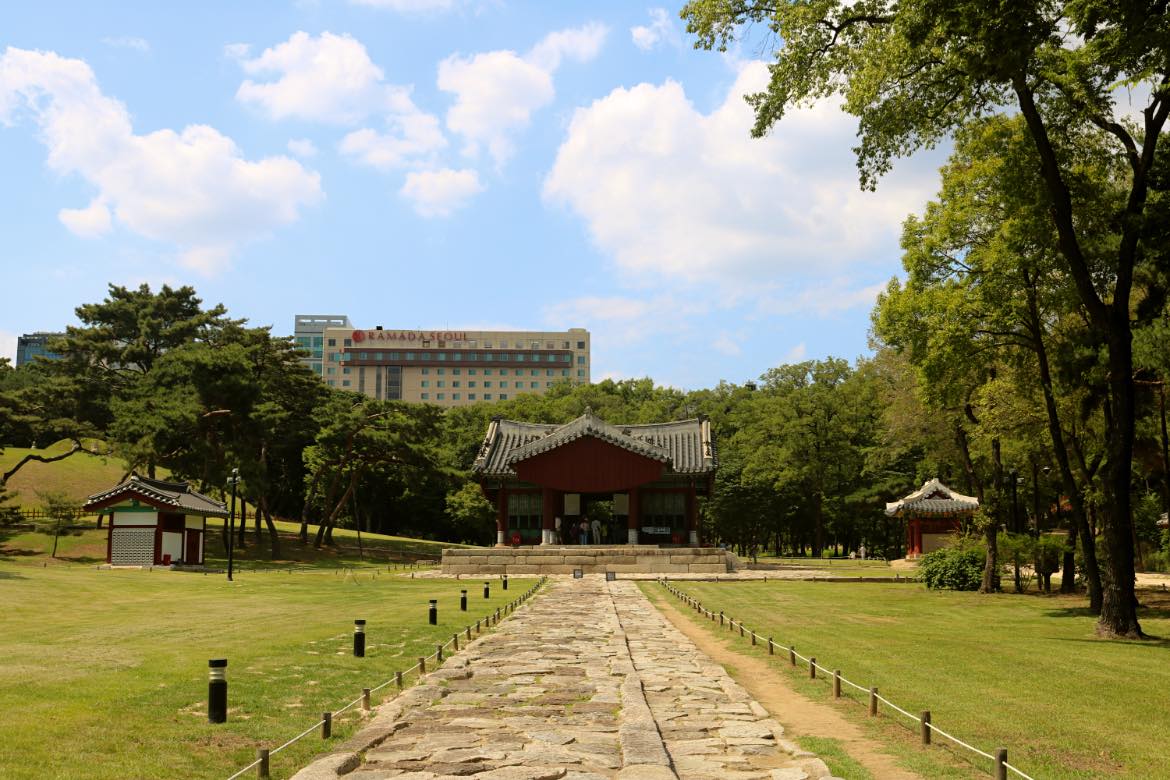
[590, 559]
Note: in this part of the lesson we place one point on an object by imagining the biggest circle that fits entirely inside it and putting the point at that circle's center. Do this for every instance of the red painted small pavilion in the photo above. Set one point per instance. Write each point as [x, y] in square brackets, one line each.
[649, 476]
[933, 514]
[155, 523]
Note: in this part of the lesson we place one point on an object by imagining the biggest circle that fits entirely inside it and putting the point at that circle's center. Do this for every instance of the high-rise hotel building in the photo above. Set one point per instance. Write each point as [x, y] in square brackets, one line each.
[448, 368]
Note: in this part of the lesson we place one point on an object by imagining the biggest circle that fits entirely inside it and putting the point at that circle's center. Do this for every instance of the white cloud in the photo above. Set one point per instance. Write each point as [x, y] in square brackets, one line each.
[191, 188]
[237, 51]
[497, 91]
[660, 30]
[821, 298]
[413, 138]
[89, 222]
[440, 193]
[302, 147]
[328, 78]
[794, 355]
[678, 196]
[128, 42]
[624, 319]
[726, 344]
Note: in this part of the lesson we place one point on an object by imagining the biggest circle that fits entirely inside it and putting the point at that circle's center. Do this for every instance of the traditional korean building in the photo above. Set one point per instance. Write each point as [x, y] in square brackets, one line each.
[933, 514]
[649, 476]
[153, 522]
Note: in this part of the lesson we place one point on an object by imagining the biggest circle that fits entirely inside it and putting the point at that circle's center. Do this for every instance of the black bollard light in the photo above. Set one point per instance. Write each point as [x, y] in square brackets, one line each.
[433, 612]
[487, 591]
[505, 582]
[463, 600]
[359, 639]
[217, 690]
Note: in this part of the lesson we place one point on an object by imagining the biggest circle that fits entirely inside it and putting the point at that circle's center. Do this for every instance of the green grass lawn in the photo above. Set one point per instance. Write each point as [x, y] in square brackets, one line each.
[105, 672]
[1022, 672]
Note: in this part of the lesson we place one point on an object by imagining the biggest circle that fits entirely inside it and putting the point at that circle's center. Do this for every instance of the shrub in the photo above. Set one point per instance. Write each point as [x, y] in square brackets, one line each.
[955, 567]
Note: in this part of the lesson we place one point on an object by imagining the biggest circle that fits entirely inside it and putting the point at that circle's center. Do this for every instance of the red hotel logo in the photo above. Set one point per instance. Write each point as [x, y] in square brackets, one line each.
[407, 335]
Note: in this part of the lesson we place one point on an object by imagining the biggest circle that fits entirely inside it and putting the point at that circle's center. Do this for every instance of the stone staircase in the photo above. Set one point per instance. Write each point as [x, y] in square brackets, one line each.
[558, 559]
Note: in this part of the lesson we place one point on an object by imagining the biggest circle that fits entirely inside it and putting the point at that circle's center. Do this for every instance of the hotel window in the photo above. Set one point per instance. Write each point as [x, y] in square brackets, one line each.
[519, 384]
[426, 396]
[442, 383]
[345, 383]
[426, 383]
[332, 382]
[333, 342]
[441, 396]
[472, 343]
[454, 396]
[487, 345]
[535, 372]
[519, 372]
[426, 343]
[503, 396]
[487, 383]
[534, 384]
[580, 372]
[455, 371]
[363, 356]
[334, 357]
[471, 396]
[396, 356]
[564, 372]
[345, 370]
[519, 345]
[426, 371]
[456, 355]
[318, 341]
[441, 356]
[564, 345]
[536, 345]
[549, 345]
[471, 372]
[548, 372]
[330, 370]
[348, 343]
[580, 345]
[410, 356]
[548, 384]
[441, 371]
[518, 358]
[487, 396]
[566, 358]
[455, 383]
[471, 383]
[580, 360]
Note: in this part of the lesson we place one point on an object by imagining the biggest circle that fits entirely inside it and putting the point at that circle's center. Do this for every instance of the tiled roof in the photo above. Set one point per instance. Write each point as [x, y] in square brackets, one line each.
[157, 492]
[933, 498]
[685, 446]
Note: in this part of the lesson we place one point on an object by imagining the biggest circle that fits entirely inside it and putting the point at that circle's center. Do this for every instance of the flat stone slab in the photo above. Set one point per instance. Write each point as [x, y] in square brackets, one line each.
[587, 681]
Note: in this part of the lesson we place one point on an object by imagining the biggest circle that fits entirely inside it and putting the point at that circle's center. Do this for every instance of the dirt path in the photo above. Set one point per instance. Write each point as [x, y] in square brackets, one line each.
[799, 715]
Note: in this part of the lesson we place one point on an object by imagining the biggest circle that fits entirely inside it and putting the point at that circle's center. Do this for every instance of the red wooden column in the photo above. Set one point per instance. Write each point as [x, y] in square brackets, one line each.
[501, 518]
[692, 517]
[635, 516]
[551, 503]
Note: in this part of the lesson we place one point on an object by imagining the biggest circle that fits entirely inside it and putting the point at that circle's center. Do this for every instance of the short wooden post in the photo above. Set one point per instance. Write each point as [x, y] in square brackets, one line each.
[365, 699]
[925, 719]
[873, 694]
[812, 668]
[771, 647]
[741, 629]
[326, 725]
[422, 666]
[398, 679]
[753, 639]
[721, 618]
[792, 654]
[455, 641]
[836, 683]
[1000, 764]
[468, 633]
[438, 654]
[262, 766]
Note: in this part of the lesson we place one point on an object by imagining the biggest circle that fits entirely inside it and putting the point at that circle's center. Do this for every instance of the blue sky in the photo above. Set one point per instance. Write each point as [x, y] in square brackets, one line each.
[438, 164]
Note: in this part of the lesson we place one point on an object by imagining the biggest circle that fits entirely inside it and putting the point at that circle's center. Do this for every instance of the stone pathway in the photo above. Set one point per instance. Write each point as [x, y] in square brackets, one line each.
[586, 682]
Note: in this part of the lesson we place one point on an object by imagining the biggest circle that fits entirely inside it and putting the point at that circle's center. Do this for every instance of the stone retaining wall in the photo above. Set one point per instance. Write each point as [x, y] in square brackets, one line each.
[556, 559]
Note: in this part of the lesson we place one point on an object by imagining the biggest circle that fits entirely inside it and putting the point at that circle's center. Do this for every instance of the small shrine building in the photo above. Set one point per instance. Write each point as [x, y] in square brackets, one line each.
[155, 523]
[933, 514]
[649, 476]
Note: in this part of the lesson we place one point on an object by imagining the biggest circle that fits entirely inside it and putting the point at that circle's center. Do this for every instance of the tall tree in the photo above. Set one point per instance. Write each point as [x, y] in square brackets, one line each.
[915, 71]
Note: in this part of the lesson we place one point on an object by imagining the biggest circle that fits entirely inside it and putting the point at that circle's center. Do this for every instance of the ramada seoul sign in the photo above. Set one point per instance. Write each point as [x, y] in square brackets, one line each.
[360, 336]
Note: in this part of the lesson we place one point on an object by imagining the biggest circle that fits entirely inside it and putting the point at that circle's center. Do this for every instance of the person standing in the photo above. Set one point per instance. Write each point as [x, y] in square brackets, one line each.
[557, 530]
[584, 531]
[595, 527]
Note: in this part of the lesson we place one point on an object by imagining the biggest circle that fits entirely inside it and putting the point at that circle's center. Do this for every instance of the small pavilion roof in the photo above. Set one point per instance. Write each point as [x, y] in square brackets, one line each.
[684, 446]
[176, 496]
[933, 498]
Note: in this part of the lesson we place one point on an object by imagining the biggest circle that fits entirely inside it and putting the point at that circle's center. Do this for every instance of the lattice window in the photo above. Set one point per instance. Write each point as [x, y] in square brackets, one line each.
[132, 547]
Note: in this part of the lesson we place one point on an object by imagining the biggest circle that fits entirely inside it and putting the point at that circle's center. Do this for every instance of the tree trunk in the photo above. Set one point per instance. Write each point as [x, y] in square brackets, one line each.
[325, 530]
[242, 533]
[990, 582]
[272, 535]
[1165, 449]
[1068, 575]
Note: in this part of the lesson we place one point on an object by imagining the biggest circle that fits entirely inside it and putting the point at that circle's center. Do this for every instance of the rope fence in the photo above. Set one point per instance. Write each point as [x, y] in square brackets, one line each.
[399, 679]
[1000, 764]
